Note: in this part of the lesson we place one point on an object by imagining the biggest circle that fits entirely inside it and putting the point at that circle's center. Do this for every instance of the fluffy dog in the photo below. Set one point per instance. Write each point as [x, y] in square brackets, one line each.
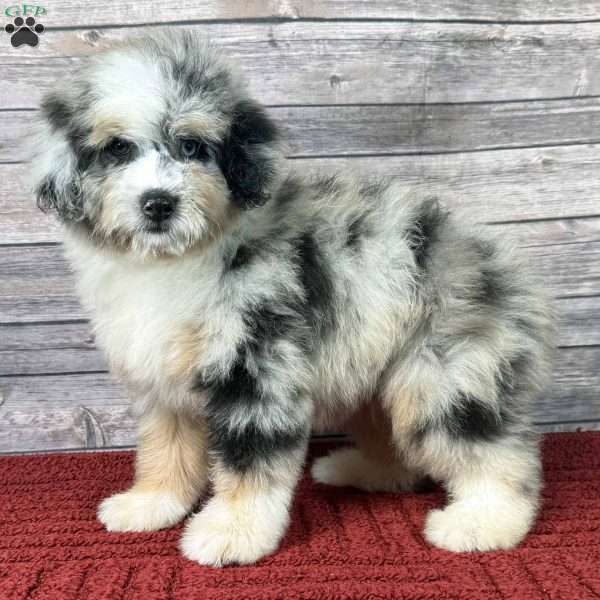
[243, 305]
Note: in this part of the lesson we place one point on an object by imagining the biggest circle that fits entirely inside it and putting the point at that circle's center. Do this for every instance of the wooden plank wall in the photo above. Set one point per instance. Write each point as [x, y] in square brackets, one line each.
[494, 105]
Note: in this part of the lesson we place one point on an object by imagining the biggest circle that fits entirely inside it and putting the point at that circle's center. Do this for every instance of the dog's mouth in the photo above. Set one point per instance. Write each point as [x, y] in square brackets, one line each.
[156, 229]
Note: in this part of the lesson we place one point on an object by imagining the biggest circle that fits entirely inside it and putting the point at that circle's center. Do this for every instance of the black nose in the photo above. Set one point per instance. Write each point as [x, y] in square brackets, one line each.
[158, 205]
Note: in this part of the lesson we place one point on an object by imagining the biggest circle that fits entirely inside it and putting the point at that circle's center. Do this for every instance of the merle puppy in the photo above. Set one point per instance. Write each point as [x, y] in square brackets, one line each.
[243, 305]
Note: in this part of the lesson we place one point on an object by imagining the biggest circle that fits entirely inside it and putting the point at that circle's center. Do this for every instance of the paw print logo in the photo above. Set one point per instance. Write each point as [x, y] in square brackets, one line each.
[24, 34]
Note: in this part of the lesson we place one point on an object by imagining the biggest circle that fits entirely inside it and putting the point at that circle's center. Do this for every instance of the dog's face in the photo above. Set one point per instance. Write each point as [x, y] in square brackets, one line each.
[154, 147]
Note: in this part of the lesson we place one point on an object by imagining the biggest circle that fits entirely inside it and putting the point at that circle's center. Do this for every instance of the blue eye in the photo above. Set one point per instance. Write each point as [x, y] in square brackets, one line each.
[193, 149]
[189, 148]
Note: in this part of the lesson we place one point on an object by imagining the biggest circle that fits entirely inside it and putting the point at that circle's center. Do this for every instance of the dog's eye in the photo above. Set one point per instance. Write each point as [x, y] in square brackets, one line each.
[194, 150]
[189, 148]
[119, 147]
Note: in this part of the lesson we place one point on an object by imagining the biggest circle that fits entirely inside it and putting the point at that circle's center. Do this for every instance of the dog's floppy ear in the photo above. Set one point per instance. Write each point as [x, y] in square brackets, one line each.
[248, 155]
[56, 182]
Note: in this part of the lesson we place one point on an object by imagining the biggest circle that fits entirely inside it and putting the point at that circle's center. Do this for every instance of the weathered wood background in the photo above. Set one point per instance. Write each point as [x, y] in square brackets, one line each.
[494, 105]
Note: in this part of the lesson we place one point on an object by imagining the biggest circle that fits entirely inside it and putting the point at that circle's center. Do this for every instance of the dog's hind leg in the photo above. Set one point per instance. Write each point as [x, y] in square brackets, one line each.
[480, 447]
[375, 463]
[493, 489]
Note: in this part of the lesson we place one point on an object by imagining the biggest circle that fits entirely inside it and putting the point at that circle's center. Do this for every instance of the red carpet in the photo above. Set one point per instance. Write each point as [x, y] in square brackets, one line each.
[343, 544]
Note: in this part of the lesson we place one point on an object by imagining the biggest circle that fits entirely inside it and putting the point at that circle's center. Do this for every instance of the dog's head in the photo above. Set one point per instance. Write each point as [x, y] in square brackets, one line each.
[154, 147]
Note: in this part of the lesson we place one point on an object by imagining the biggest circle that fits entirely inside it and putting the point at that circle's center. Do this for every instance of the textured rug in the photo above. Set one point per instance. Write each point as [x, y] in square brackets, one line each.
[342, 544]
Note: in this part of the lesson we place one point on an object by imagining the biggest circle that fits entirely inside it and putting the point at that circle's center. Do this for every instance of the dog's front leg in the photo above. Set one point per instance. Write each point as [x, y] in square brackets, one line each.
[258, 441]
[171, 474]
[248, 515]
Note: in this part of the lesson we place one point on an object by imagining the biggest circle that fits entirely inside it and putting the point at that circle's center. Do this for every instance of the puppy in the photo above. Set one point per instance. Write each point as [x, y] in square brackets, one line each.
[244, 305]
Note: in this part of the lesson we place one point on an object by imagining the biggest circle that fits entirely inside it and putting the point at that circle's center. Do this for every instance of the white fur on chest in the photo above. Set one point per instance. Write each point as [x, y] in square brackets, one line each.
[137, 309]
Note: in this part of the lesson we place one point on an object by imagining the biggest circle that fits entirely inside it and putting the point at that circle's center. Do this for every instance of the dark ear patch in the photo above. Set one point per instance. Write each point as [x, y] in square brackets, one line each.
[46, 195]
[60, 190]
[66, 202]
[244, 158]
[56, 111]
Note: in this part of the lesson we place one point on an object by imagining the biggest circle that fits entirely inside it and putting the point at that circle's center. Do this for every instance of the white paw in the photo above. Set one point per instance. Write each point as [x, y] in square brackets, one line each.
[141, 511]
[221, 534]
[468, 526]
[348, 467]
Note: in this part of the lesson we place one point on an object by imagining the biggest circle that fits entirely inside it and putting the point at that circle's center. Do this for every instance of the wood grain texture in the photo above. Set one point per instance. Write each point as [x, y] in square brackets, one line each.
[47, 348]
[351, 63]
[69, 13]
[500, 185]
[579, 321]
[532, 234]
[402, 129]
[437, 128]
[90, 410]
[63, 411]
